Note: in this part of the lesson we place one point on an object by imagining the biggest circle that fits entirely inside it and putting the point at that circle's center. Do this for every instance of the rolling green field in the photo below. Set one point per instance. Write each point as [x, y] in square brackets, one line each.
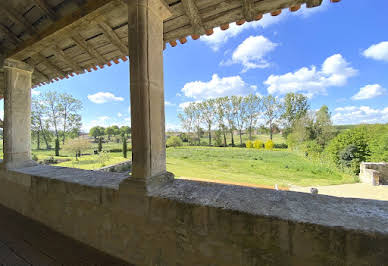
[236, 165]
[257, 167]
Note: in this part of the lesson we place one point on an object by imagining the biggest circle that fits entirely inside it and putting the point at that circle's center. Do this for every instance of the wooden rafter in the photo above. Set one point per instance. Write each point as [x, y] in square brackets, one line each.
[79, 40]
[113, 38]
[313, 3]
[49, 64]
[33, 62]
[15, 17]
[247, 7]
[42, 4]
[192, 12]
[10, 35]
[62, 56]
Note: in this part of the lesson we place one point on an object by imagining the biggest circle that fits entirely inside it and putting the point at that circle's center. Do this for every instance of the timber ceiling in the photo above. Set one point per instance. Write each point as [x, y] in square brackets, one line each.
[61, 38]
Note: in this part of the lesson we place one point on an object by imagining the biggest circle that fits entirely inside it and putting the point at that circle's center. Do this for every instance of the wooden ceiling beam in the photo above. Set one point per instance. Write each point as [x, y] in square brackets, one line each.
[113, 38]
[42, 4]
[31, 61]
[11, 36]
[247, 8]
[79, 40]
[15, 17]
[192, 12]
[62, 56]
[49, 64]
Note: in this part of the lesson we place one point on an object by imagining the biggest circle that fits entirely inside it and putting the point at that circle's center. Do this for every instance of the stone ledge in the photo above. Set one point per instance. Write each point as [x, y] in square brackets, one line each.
[75, 176]
[370, 216]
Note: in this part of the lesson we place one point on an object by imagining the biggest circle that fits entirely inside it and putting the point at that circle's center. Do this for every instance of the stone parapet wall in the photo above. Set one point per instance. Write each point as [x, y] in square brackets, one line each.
[126, 165]
[194, 223]
[374, 173]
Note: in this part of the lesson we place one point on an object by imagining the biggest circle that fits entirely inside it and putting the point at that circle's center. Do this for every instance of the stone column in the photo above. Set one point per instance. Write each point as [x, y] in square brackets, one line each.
[17, 114]
[145, 43]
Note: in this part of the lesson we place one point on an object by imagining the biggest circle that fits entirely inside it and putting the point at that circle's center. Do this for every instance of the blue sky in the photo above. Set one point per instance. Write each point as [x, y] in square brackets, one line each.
[337, 54]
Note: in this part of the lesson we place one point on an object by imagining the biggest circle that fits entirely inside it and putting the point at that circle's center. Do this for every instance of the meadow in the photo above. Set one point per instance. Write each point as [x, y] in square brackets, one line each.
[231, 165]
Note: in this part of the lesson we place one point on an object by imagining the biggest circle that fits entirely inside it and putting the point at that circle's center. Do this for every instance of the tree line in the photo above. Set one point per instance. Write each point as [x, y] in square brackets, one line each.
[98, 132]
[244, 114]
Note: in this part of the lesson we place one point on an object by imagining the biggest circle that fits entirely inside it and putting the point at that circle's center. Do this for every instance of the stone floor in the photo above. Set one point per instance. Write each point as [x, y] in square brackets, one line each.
[26, 242]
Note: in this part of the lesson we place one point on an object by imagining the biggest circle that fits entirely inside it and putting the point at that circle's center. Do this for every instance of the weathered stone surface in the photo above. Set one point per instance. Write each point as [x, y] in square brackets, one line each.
[194, 223]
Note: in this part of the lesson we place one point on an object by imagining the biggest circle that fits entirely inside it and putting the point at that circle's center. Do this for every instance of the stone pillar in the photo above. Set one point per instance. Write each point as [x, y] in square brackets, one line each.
[17, 114]
[145, 43]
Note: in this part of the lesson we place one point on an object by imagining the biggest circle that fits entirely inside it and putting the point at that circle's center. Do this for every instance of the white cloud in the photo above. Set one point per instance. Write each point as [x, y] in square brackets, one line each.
[252, 52]
[119, 114]
[35, 92]
[335, 72]
[377, 51]
[217, 87]
[369, 92]
[104, 97]
[167, 103]
[358, 115]
[220, 37]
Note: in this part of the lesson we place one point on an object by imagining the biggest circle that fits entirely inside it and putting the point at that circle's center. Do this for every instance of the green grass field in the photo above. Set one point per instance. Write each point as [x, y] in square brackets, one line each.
[238, 165]
[257, 167]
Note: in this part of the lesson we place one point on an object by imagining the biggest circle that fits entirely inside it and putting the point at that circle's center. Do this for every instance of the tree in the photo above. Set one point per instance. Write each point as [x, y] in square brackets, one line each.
[76, 146]
[239, 108]
[125, 131]
[230, 116]
[272, 111]
[207, 109]
[221, 116]
[109, 131]
[295, 106]
[197, 119]
[253, 107]
[57, 147]
[125, 147]
[99, 144]
[186, 119]
[323, 127]
[69, 108]
[96, 132]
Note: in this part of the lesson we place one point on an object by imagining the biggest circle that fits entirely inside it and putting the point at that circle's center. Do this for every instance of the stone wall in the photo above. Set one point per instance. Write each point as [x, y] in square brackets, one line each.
[374, 173]
[193, 223]
[118, 168]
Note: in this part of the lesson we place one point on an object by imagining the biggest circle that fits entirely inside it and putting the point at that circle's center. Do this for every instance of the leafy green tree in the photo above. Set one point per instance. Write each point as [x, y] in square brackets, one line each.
[221, 116]
[76, 146]
[323, 127]
[57, 147]
[109, 131]
[353, 144]
[253, 107]
[207, 109]
[295, 106]
[125, 131]
[69, 108]
[96, 132]
[271, 112]
[99, 144]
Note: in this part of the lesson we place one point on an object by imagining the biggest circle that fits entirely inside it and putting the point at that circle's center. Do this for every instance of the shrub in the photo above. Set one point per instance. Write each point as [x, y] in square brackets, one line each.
[312, 148]
[34, 157]
[269, 145]
[350, 148]
[218, 139]
[174, 142]
[258, 144]
[281, 146]
[76, 146]
[103, 157]
[249, 144]
[116, 150]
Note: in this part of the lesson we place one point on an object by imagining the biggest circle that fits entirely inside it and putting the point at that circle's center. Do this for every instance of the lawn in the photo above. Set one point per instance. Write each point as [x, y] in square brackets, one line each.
[235, 165]
[257, 167]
